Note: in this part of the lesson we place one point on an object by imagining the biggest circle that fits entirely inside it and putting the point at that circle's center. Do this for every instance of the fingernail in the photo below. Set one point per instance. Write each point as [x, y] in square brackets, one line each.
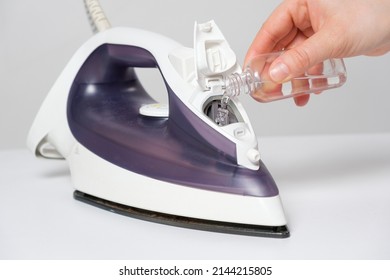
[279, 72]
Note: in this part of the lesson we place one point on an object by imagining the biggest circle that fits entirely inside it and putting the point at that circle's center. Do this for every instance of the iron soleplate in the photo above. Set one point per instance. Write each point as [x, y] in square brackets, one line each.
[185, 222]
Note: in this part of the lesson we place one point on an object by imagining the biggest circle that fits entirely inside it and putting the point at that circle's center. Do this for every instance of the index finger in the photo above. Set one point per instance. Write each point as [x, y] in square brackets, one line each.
[276, 33]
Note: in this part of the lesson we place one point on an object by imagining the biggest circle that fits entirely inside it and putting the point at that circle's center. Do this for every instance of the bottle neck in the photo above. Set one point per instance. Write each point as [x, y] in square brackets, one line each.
[240, 83]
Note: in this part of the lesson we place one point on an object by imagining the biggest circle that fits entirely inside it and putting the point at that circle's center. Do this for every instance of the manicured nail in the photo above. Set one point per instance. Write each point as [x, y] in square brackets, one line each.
[279, 72]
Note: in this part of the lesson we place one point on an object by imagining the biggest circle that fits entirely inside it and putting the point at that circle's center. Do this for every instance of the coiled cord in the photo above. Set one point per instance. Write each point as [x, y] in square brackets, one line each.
[96, 16]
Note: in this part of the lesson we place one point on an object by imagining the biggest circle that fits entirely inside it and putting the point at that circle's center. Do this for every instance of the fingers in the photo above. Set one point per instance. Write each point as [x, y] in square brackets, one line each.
[290, 27]
[302, 100]
[273, 37]
[381, 50]
[294, 62]
[315, 30]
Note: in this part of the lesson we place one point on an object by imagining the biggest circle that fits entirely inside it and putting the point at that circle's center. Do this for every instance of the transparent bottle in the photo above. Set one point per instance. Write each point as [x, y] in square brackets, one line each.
[255, 80]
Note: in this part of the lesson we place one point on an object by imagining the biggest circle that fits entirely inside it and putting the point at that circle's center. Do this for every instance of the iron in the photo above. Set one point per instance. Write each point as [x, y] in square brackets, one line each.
[176, 164]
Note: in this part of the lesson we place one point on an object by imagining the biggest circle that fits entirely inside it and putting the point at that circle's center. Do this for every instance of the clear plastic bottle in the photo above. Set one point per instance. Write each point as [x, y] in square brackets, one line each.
[255, 80]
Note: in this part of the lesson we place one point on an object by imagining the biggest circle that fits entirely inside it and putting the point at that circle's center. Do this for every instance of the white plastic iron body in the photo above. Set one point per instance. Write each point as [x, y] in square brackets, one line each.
[193, 76]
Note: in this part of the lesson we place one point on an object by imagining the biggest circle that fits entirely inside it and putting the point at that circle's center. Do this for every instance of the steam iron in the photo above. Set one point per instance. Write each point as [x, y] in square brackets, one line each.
[175, 164]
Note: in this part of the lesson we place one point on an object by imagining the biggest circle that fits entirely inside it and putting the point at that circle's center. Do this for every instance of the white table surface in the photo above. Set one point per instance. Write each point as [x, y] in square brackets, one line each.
[335, 191]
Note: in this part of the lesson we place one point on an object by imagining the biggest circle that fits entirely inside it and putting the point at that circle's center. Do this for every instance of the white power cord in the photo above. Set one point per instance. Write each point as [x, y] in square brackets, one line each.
[97, 18]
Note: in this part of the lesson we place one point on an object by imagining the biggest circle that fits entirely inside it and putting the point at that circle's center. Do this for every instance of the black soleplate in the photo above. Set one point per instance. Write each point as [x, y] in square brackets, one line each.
[186, 222]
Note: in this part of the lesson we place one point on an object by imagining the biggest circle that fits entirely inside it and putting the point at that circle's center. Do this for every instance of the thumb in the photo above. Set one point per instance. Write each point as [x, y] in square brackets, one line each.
[296, 61]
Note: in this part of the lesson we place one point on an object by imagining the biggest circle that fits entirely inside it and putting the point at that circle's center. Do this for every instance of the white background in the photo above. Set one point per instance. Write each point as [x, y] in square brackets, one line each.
[335, 193]
[334, 190]
[39, 37]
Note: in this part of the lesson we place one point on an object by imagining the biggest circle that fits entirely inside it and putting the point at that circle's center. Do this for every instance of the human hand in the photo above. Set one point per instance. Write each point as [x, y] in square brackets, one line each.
[312, 31]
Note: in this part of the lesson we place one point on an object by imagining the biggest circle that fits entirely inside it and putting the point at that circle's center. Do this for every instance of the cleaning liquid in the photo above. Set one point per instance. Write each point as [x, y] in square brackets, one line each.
[222, 117]
[255, 80]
